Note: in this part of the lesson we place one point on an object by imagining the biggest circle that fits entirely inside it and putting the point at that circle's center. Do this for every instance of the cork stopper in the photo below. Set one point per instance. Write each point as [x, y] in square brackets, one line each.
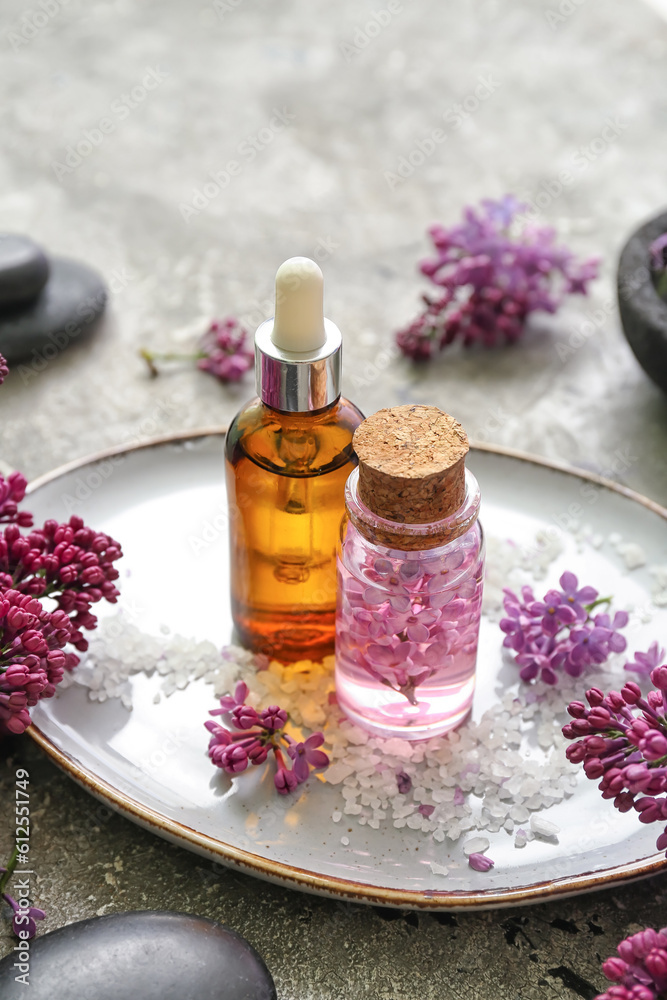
[411, 464]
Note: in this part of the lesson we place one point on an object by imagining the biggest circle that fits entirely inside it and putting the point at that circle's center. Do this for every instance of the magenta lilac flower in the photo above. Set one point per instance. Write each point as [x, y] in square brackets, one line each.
[12, 492]
[480, 862]
[490, 279]
[256, 734]
[223, 351]
[226, 351]
[560, 633]
[621, 739]
[68, 563]
[639, 969]
[4, 369]
[24, 917]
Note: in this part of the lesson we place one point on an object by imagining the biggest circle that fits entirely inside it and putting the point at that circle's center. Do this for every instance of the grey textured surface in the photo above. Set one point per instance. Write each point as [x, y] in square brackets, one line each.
[317, 186]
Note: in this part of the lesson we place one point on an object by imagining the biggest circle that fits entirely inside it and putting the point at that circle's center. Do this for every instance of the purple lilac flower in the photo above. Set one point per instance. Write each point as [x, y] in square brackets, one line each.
[306, 755]
[558, 632]
[640, 970]
[4, 369]
[403, 783]
[621, 738]
[491, 279]
[255, 735]
[24, 917]
[644, 663]
[659, 253]
[226, 353]
[230, 701]
[480, 862]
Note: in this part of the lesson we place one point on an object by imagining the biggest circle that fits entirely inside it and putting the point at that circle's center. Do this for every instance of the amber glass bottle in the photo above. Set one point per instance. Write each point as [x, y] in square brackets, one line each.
[288, 456]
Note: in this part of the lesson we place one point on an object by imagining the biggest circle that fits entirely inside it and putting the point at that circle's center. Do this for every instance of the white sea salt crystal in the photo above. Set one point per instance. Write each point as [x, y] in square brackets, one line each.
[438, 869]
[345, 841]
[542, 827]
[633, 555]
[478, 845]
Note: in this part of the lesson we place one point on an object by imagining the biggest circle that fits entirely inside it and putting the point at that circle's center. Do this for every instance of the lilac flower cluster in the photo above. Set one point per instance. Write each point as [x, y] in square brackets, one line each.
[12, 491]
[4, 369]
[559, 632]
[68, 563]
[491, 280]
[223, 352]
[406, 627]
[255, 735]
[621, 738]
[226, 353]
[640, 968]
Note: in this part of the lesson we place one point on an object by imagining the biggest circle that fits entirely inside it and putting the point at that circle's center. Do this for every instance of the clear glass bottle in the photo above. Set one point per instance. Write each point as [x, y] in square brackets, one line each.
[288, 455]
[409, 595]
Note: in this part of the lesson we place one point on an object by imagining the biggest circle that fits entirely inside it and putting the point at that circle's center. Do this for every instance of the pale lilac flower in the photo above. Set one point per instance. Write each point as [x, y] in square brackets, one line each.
[644, 663]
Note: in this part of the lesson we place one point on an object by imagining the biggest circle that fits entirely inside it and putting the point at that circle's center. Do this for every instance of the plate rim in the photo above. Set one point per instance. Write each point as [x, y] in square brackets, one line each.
[297, 878]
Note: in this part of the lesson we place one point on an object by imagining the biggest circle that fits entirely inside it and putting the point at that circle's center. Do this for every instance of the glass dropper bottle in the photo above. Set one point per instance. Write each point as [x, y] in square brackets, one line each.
[288, 455]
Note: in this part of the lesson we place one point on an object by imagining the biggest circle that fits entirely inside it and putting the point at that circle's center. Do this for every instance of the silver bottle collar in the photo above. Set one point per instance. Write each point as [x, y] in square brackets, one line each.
[296, 382]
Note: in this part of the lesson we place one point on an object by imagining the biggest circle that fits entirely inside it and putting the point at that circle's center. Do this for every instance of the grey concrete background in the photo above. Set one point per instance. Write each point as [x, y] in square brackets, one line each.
[361, 100]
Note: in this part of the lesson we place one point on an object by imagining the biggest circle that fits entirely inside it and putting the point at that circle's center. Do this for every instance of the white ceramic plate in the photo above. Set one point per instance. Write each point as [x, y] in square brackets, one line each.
[155, 500]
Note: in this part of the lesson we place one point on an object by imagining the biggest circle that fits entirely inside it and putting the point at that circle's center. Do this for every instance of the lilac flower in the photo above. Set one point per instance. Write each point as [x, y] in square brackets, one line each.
[255, 736]
[4, 369]
[576, 597]
[12, 492]
[244, 716]
[555, 613]
[24, 917]
[480, 862]
[626, 750]
[306, 755]
[659, 253]
[273, 717]
[558, 633]
[644, 663]
[226, 354]
[403, 783]
[490, 281]
[223, 352]
[640, 968]
[229, 701]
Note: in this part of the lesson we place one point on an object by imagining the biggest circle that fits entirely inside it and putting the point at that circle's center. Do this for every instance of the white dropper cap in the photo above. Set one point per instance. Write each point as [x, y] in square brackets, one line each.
[298, 324]
[298, 352]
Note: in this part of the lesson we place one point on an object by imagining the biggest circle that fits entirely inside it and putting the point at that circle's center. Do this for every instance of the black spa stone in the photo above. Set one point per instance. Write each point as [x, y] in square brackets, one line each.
[64, 312]
[24, 269]
[643, 312]
[145, 955]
